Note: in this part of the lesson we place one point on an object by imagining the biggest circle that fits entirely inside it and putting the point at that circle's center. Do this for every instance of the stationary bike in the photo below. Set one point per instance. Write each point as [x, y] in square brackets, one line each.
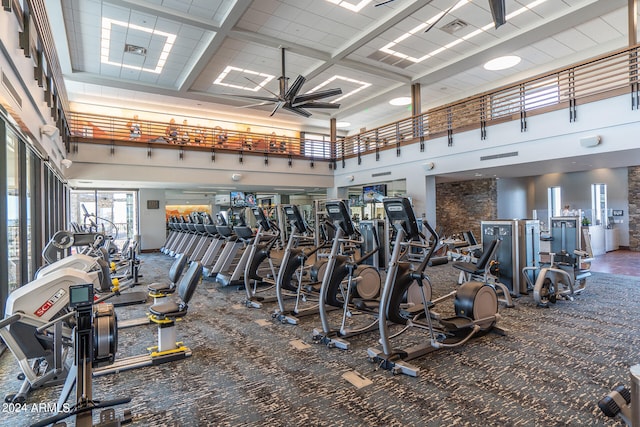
[348, 283]
[406, 299]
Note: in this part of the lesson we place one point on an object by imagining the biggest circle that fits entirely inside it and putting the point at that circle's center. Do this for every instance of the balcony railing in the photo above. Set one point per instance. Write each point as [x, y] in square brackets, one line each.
[602, 77]
[98, 129]
[606, 76]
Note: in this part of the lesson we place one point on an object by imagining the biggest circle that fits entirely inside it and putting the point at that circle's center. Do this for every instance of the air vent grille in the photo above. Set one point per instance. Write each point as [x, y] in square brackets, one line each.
[499, 156]
[373, 175]
[454, 26]
[136, 50]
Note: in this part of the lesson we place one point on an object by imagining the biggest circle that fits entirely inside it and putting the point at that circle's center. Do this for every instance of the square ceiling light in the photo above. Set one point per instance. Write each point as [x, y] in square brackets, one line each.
[389, 48]
[105, 48]
[349, 5]
[362, 85]
[230, 69]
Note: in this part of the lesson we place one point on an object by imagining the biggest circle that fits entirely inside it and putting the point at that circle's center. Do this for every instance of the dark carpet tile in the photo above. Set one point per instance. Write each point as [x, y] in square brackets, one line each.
[549, 370]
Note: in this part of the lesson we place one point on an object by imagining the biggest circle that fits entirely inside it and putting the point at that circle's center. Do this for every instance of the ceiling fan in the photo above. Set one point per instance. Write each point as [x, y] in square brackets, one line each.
[288, 98]
[497, 12]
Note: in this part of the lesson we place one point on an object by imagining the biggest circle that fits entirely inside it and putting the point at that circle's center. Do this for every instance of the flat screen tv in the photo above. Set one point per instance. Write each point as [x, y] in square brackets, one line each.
[374, 193]
[250, 199]
[237, 199]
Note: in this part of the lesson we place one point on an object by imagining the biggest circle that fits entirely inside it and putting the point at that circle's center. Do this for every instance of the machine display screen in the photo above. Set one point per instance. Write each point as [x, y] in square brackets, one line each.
[80, 295]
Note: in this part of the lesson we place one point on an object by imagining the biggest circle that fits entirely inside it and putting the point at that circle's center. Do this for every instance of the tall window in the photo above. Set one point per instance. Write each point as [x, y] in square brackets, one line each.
[599, 203]
[13, 211]
[554, 201]
[114, 212]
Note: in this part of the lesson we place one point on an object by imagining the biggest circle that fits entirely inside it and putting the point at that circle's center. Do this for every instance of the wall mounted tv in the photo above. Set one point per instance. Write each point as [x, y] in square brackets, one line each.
[374, 193]
[240, 199]
[237, 199]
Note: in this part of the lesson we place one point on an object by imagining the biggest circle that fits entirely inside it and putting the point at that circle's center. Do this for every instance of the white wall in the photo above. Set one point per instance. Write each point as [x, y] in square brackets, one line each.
[512, 198]
[549, 137]
[196, 169]
[32, 112]
[576, 191]
[152, 221]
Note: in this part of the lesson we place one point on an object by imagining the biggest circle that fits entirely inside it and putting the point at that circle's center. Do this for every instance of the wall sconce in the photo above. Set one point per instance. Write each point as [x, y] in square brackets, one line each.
[49, 130]
[66, 163]
[236, 177]
[350, 178]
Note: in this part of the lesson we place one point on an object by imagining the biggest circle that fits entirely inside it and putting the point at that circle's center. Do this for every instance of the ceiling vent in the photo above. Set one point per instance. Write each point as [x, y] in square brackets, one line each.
[454, 26]
[136, 50]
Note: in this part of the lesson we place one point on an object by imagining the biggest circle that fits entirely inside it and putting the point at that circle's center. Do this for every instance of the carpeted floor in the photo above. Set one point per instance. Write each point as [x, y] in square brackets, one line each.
[249, 370]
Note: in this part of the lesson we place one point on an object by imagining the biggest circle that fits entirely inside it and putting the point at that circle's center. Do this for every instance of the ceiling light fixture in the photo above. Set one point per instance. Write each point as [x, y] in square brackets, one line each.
[402, 100]
[343, 124]
[350, 6]
[105, 44]
[229, 68]
[363, 85]
[502, 63]
[388, 47]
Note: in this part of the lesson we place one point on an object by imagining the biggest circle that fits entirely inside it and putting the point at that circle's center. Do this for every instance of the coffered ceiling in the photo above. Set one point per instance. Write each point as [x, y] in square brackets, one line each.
[198, 55]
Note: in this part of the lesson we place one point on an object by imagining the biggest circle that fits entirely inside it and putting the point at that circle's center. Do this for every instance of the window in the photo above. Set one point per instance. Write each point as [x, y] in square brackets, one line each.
[114, 212]
[13, 212]
[554, 201]
[599, 204]
[317, 146]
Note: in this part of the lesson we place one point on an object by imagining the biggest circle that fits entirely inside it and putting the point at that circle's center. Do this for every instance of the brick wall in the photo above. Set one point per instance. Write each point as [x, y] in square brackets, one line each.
[462, 205]
[634, 208]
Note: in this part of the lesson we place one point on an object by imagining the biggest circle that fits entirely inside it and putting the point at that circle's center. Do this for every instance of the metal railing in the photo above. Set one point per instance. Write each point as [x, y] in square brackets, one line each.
[602, 77]
[93, 128]
[606, 76]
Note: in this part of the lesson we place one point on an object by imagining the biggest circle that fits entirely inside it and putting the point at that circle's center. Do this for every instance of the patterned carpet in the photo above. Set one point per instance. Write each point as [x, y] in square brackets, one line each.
[549, 370]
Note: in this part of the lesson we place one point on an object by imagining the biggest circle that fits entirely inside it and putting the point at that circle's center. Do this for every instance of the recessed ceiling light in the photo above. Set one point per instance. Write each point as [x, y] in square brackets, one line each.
[105, 44]
[403, 100]
[502, 63]
[390, 48]
[343, 124]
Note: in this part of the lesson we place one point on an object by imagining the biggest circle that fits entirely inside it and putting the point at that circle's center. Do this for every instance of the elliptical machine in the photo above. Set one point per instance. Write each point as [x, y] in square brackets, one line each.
[257, 252]
[362, 288]
[406, 299]
[294, 274]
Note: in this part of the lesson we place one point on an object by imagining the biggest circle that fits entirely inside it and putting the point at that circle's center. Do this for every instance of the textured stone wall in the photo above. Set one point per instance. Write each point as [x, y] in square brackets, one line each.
[461, 206]
[634, 208]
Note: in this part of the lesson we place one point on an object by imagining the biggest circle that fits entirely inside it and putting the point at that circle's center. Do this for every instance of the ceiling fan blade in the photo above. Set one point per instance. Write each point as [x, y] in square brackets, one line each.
[498, 12]
[383, 3]
[316, 105]
[252, 105]
[446, 12]
[262, 87]
[295, 88]
[255, 97]
[296, 110]
[276, 108]
[317, 95]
